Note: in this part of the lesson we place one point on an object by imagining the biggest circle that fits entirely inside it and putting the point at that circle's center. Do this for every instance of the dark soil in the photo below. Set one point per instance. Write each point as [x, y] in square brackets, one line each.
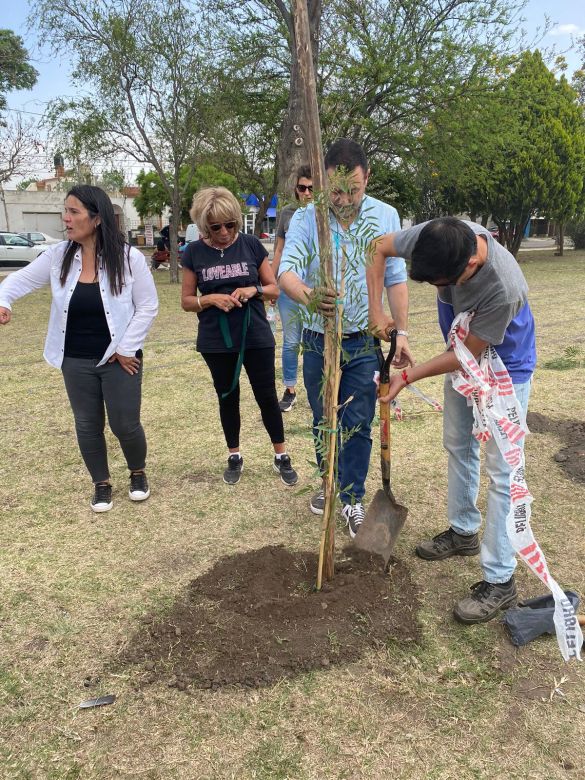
[255, 618]
[571, 456]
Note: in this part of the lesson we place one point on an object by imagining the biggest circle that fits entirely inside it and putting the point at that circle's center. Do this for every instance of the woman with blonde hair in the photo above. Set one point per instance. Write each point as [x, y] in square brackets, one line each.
[226, 279]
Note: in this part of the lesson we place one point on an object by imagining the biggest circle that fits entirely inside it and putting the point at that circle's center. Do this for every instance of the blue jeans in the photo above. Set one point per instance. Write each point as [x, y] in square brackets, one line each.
[292, 328]
[497, 558]
[358, 364]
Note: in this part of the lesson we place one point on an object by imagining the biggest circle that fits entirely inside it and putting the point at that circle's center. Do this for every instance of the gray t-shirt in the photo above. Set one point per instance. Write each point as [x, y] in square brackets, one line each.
[496, 293]
[284, 220]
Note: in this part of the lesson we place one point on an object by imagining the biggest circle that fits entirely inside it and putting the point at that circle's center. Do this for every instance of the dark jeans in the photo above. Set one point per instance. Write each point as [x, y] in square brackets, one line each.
[89, 387]
[358, 364]
[259, 365]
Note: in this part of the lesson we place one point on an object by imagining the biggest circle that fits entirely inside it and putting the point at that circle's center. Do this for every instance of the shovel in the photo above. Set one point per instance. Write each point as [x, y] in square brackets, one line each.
[385, 517]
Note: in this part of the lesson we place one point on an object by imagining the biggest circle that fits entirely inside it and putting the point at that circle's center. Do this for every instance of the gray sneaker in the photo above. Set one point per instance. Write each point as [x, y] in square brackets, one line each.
[317, 504]
[283, 466]
[235, 466]
[446, 544]
[486, 600]
[287, 401]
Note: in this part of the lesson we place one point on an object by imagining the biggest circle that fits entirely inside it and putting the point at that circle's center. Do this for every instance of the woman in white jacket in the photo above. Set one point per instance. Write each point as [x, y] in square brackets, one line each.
[103, 303]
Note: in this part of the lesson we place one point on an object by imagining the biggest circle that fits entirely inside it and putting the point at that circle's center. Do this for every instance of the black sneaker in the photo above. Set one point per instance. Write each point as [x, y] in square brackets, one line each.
[231, 476]
[284, 467]
[354, 515]
[486, 600]
[446, 544]
[102, 497]
[139, 490]
[288, 401]
[317, 504]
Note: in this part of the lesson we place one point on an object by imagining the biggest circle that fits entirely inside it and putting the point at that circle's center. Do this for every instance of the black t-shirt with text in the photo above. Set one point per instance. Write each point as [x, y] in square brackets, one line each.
[215, 274]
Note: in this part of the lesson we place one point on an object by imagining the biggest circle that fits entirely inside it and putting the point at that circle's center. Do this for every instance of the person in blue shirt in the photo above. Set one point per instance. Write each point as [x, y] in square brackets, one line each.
[472, 272]
[355, 220]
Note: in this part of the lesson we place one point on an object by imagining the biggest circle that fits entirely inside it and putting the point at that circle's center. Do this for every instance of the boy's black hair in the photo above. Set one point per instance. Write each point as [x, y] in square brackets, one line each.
[442, 250]
[347, 154]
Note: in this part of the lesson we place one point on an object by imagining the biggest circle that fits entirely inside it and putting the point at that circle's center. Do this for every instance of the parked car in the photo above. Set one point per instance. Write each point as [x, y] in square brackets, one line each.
[15, 250]
[37, 237]
[495, 232]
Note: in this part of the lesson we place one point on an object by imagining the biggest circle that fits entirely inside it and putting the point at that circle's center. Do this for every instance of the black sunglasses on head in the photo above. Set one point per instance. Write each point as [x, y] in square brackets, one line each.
[219, 225]
[305, 187]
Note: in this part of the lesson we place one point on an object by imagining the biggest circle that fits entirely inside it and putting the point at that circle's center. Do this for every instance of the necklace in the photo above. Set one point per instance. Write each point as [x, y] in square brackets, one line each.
[221, 249]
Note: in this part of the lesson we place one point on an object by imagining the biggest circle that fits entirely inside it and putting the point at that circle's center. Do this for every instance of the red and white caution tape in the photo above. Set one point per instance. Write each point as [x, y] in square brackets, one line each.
[497, 413]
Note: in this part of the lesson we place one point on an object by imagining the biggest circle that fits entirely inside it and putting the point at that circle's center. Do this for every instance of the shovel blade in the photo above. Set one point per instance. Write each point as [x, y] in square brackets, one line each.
[381, 527]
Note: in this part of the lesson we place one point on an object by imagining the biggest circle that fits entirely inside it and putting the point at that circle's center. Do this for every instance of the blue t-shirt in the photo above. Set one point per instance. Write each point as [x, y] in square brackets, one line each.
[517, 350]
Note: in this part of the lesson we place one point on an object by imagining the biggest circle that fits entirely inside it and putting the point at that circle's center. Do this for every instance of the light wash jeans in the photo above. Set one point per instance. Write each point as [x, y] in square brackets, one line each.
[292, 328]
[497, 558]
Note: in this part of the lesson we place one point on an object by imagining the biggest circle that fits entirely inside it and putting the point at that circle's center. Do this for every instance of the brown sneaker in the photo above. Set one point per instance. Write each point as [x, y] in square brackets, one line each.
[486, 600]
[446, 544]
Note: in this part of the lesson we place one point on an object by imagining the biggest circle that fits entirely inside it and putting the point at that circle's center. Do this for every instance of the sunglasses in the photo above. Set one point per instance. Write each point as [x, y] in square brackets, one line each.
[305, 187]
[218, 226]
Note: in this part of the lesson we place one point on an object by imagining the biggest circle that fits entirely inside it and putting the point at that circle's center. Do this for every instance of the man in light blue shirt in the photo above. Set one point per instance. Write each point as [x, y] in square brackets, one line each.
[355, 219]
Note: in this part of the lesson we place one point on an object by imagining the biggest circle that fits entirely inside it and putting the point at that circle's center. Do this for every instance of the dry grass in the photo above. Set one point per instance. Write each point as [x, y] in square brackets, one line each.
[464, 704]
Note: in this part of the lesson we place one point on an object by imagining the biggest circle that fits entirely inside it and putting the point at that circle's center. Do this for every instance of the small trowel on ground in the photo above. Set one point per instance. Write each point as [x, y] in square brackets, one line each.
[385, 517]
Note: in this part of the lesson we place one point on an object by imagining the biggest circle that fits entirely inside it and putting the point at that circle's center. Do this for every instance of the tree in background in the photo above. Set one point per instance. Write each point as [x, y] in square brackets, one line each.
[540, 164]
[140, 61]
[19, 145]
[19, 148]
[254, 55]
[153, 197]
[384, 69]
[16, 72]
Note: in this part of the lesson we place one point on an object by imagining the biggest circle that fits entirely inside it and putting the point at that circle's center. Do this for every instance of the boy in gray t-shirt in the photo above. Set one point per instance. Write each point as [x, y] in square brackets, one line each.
[472, 272]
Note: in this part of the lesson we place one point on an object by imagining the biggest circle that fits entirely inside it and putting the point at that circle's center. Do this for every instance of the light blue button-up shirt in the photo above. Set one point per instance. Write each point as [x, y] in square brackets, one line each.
[301, 255]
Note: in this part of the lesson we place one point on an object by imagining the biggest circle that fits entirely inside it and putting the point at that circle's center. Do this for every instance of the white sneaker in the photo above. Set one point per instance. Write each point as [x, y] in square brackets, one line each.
[102, 497]
[354, 515]
[139, 490]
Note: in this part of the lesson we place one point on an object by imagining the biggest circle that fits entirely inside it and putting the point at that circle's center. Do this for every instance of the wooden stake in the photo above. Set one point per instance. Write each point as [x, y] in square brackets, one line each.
[331, 367]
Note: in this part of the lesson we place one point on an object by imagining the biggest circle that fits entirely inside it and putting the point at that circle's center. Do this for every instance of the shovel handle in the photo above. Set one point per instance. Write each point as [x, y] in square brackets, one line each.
[385, 412]
[385, 438]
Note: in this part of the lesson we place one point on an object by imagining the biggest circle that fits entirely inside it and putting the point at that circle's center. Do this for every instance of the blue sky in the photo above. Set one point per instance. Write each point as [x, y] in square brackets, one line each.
[567, 16]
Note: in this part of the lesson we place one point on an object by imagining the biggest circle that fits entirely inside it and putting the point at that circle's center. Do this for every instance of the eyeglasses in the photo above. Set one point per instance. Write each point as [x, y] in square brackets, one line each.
[217, 227]
[305, 187]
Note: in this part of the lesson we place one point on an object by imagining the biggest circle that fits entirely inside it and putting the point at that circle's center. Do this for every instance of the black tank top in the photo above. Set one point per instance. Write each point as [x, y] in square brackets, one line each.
[87, 334]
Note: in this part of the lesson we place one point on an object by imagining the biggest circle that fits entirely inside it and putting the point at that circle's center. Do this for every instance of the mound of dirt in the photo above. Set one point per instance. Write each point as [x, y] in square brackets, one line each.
[255, 618]
[571, 457]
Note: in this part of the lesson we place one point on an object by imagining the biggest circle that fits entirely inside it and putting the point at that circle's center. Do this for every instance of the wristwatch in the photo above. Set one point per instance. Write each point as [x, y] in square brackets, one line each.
[259, 291]
[402, 333]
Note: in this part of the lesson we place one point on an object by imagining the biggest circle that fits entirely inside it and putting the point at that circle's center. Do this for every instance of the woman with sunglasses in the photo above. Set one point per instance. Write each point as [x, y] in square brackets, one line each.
[290, 317]
[226, 279]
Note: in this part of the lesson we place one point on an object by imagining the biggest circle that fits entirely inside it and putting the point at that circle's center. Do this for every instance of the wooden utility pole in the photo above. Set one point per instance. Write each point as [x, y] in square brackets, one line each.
[331, 367]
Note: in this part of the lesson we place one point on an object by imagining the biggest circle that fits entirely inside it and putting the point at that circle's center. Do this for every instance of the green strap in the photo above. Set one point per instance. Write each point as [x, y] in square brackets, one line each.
[227, 340]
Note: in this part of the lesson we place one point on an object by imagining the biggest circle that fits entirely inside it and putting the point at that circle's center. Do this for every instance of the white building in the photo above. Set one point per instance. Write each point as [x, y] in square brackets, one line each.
[42, 209]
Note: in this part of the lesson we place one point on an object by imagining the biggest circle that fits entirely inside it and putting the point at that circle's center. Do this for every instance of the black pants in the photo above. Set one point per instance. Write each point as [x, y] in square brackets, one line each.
[89, 387]
[259, 365]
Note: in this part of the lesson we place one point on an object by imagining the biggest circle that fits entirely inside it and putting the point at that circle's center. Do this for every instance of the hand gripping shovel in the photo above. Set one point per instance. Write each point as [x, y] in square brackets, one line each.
[384, 518]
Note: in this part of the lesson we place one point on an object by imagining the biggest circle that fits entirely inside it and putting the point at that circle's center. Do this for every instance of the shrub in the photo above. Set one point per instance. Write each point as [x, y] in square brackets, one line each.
[576, 231]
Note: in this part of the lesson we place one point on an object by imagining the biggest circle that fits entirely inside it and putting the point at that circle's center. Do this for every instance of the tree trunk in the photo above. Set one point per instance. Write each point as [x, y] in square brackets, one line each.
[561, 228]
[263, 208]
[174, 234]
[331, 357]
[293, 147]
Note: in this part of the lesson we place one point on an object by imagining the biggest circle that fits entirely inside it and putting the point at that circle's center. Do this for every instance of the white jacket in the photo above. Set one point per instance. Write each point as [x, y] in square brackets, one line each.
[129, 315]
